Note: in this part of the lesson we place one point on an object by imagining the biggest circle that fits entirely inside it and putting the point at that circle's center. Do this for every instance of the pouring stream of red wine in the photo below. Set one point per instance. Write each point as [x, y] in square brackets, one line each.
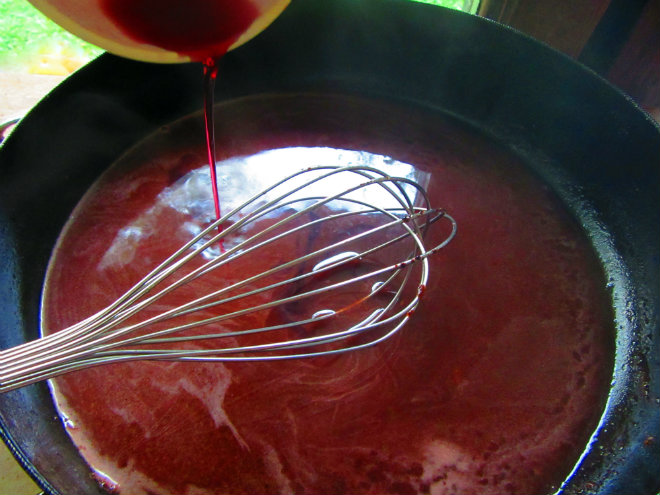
[202, 30]
[210, 74]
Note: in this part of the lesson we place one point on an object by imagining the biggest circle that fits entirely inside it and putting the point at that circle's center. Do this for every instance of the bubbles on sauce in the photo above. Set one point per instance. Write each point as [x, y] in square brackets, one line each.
[105, 482]
[68, 423]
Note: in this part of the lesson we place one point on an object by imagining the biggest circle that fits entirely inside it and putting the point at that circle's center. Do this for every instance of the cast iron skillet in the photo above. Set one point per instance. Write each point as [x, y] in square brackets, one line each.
[600, 152]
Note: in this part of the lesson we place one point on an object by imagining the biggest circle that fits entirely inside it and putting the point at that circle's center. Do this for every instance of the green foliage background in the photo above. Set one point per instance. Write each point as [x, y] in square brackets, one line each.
[24, 31]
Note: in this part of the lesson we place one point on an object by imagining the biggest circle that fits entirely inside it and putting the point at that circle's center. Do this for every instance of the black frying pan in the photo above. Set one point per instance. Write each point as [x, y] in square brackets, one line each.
[584, 137]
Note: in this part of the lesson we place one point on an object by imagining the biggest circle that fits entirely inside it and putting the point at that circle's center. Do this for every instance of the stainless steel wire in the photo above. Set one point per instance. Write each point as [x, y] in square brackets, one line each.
[386, 254]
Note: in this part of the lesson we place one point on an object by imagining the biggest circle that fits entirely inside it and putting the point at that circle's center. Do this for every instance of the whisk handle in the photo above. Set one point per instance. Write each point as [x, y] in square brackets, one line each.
[39, 360]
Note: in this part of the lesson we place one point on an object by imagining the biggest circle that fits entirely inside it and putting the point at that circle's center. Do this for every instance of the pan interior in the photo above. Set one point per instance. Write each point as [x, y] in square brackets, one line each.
[498, 384]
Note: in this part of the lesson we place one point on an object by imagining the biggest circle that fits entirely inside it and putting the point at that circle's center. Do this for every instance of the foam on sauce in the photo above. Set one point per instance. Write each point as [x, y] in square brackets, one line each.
[494, 386]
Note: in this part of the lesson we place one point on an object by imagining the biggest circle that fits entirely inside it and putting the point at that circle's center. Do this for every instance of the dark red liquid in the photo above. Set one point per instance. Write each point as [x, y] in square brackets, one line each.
[200, 29]
[495, 386]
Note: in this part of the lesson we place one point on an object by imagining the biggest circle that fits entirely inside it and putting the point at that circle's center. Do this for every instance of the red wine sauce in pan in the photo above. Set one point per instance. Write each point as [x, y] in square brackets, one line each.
[495, 386]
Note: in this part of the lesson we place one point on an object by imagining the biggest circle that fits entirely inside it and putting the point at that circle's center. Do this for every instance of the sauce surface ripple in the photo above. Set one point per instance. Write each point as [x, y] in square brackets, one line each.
[495, 386]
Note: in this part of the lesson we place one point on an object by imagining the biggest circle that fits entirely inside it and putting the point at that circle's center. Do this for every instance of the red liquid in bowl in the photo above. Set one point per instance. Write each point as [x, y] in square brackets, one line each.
[495, 386]
[199, 29]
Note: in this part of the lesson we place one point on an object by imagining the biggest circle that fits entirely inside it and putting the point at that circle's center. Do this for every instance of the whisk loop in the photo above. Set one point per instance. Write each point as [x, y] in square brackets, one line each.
[357, 269]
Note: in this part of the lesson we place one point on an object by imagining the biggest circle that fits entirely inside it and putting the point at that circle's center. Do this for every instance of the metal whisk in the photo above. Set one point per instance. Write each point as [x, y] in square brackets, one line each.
[356, 280]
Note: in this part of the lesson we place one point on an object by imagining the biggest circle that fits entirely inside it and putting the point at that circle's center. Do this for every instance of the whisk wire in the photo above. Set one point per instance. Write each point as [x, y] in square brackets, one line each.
[101, 339]
[109, 341]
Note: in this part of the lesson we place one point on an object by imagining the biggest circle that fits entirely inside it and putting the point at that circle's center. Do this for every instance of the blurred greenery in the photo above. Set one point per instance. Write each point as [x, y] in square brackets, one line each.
[29, 40]
[22, 24]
